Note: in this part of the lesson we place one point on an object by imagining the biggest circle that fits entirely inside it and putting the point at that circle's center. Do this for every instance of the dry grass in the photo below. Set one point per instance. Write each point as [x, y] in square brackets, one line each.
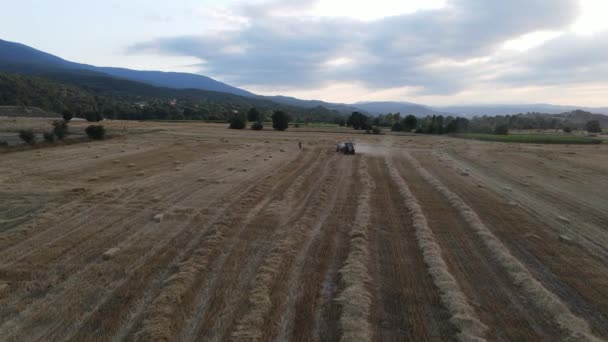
[356, 299]
[250, 326]
[463, 316]
[576, 328]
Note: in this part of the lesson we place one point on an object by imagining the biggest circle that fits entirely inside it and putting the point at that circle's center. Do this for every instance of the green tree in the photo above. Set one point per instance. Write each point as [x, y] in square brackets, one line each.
[237, 122]
[280, 120]
[254, 115]
[410, 122]
[93, 116]
[358, 121]
[67, 115]
[501, 130]
[593, 126]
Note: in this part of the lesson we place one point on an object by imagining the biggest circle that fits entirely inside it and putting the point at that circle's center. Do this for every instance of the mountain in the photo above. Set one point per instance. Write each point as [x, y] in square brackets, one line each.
[19, 58]
[499, 109]
[292, 101]
[405, 108]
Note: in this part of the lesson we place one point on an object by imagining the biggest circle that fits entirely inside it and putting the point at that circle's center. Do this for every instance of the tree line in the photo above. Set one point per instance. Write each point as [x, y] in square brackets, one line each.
[439, 124]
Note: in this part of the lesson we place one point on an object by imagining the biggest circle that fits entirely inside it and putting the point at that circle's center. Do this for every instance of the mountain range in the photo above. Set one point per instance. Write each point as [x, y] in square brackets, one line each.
[19, 58]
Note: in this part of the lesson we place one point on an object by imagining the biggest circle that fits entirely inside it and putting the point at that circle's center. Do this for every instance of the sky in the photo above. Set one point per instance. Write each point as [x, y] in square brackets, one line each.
[436, 52]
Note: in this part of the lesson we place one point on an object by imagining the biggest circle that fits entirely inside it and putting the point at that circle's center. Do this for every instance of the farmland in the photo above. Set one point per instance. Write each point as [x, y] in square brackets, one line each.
[190, 231]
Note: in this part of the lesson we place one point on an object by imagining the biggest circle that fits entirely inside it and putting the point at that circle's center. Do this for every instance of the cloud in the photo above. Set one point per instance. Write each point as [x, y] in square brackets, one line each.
[283, 44]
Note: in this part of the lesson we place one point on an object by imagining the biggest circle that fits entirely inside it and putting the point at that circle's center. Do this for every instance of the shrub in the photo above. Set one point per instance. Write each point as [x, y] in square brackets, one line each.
[3, 143]
[96, 132]
[376, 130]
[397, 127]
[28, 136]
[501, 130]
[280, 120]
[49, 136]
[567, 130]
[237, 122]
[257, 126]
[60, 129]
[297, 125]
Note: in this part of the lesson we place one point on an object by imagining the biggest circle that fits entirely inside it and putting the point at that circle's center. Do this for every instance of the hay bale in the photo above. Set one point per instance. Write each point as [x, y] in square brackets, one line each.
[94, 179]
[563, 219]
[107, 255]
[158, 217]
[116, 161]
[464, 173]
[140, 173]
[202, 179]
[131, 165]
[564, 238]
[177, 169]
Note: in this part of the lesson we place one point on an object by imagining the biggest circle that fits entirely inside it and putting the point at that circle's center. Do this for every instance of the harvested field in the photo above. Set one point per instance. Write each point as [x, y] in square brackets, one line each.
[190, 231]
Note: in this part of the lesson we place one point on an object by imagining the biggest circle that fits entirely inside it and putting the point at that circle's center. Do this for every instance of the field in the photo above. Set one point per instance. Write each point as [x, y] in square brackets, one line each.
[190, 231]
[533, 138]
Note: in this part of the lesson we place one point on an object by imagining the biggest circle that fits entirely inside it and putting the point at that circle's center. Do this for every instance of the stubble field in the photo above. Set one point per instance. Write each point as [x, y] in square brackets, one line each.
[413, 238]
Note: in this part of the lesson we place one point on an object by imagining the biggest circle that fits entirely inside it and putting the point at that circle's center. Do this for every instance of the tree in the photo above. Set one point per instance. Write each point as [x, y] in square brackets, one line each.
[257, 126]
[358, 121]
[60, 129]
[96, 132]
[280, 120]
[593, 126]
[237, 122]
[28, 136]
[397, 127]
[67, 115]
[501, 130]
[93, 116]
[567, 129]
[254, 115]
[410, 122]
[458, 125]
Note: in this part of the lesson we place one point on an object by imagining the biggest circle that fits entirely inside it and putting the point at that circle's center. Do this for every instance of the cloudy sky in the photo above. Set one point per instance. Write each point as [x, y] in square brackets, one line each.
[435, 52]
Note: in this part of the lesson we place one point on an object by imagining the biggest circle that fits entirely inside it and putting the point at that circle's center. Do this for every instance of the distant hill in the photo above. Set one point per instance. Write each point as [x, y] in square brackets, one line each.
[340, 107]
[405, 108]
[81, 92]
[19, 58]
[498, 109]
